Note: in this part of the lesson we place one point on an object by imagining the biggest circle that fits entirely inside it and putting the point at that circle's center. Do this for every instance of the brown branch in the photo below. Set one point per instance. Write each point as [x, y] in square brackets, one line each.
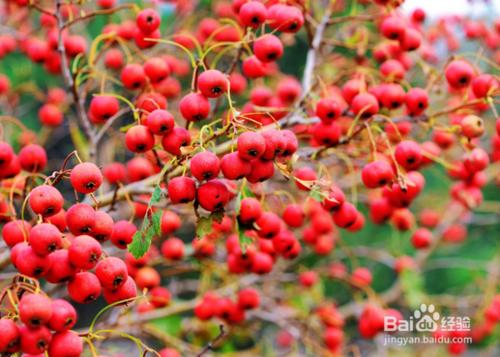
[97, 13]
[210, 346]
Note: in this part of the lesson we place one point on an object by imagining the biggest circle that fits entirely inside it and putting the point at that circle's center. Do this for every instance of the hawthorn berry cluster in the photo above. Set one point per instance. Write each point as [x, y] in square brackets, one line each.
[267, 169]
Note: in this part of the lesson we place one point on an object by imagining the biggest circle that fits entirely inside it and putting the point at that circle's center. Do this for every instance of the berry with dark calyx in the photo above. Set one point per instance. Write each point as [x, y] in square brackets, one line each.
[204, 165]
[175, 140]
[194, 107]
[334, 200]
[126, 291]
[393, 95]
[29, 263]
[148, 21]
[44, 238]
[32, 158]
[251, 145]
[111, 272]
[34, 341]
[365, 105]
[459, 74]
[212, 195]
[327, 110]
[393, 28]
[268, 225]
[63, 317]
[248, 299]
[252, 14]
[80, 218]
[212, 83]
[35, 310]
[123, 233]
[181, 189]
[250, 210]
[416, 101]
[285, 18]
[472, 126]
[305, 178]
[234, 167]
[84, 288]
[345, 216]
[377, 174]
[408, 154]
[61, 269]
[268, 48]
[262, 170]
[139, 139]
[412, 39]
[86, 177]
[103, 226]
[10, 337]
[103, 107]
[327, 134]
[84, 252]
[160, 122]
[66, 344]
[46, 200]
[133, 76]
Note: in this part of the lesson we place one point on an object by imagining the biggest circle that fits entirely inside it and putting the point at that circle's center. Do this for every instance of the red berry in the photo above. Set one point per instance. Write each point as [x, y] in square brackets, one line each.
[408, 154]
[177, 138]
[268, 48]
[252, 14]
[156, 69]
[45, 238]
[86, 177]
[345, 216]
[50, 115]
[170, 222]
[32, 158]
[234, 167]
[103, 107]
[204, 165]
[416, 101]
[35, 310]
[123, 233]
[28, 262]
[173, 249]
[160, 122]
[327, 134]
[10, 337]
[365, 105]
[15, 231]
[6, 154]
[393, 28]
[285, 18]
[194, 107]
[181, 189]
[84, 288]
[111, 272]
[248, 299]
[139, 139]
[421, 238]
[268, 225]
[160, 296]
[483, 85]
[34, 341]
[66, 344]
[46, 200]
[148, 20]
[84, 252]
[80, 218]
[63, 315]
[328, 109]
[377, 174]
[294, 215]
[459, 74]
[212, 195]
[115, 173]
[126, 291]
[212, 83]
[133, 76]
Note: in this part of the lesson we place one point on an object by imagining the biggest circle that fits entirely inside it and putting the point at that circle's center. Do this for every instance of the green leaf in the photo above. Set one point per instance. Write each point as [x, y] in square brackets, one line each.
[203, 226]
[156, 196]
[156, 220]
[141, 242]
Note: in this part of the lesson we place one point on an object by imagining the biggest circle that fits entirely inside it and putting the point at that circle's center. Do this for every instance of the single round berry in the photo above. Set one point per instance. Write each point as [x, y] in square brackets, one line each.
[84, 288]
[86, 177]
[84, 252]
[212, 83]
[35, 310]
[63, 317]
[45, 238]
[204, 165]
[111, 272]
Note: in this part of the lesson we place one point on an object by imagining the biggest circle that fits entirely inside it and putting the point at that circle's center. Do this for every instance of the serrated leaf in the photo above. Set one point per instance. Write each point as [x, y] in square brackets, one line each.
[141, 242]
[203, 226]
[156, 196]
[156, 221]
